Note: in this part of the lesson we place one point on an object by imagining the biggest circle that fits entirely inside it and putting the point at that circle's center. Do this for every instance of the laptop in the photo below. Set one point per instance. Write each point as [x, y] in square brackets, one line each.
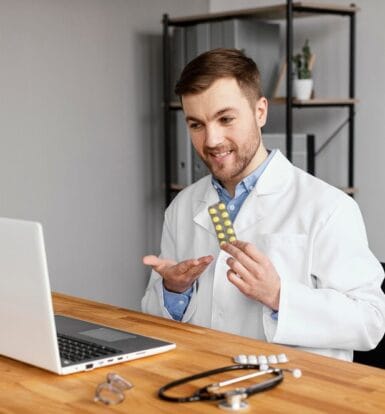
[29, 330]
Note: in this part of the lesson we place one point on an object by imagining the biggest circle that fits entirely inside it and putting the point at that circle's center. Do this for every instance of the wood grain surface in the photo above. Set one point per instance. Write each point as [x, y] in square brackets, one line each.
[327, 385]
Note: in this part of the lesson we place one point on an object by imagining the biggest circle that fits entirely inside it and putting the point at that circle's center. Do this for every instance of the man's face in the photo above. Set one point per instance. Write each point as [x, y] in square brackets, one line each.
[225, 130]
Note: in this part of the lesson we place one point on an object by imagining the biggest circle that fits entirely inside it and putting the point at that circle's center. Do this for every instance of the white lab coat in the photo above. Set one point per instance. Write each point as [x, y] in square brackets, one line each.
[330, 301]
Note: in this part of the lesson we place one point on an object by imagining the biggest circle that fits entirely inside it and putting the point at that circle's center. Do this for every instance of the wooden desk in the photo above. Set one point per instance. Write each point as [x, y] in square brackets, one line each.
[327, 385]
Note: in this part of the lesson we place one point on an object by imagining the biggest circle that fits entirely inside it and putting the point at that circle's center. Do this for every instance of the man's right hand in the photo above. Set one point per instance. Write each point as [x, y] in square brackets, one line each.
[178, 277]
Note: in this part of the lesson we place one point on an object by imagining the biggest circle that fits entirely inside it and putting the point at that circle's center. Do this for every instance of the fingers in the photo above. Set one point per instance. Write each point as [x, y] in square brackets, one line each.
[247, 257]
[186, 265]
[193, 267]
[181, 276]
[237, 281]
[247, 248]
[196, 271]
[157, 263]
[240, 270]
[253, 273]
[151, 260]
[190, 267]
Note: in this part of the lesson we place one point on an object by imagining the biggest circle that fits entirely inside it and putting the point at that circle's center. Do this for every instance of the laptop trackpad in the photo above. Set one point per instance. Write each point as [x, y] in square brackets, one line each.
[107, 335]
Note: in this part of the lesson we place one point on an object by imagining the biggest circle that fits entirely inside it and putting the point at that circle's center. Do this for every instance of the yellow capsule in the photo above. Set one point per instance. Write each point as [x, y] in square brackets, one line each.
[221, 206]
[225, 214]
[221, 235]
[221, 242]
[215, 219]
[212, 210]
[218, 227]
[227, 223]
[230, 231]
[232, 238]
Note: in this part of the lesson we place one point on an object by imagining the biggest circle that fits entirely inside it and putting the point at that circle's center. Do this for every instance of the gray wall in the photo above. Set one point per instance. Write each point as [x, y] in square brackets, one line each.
[329, 39]
[80, 135]
[80, 129]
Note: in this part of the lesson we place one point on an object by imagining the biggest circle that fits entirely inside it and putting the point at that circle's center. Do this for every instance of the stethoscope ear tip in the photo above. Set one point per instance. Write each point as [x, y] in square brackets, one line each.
[297, 373]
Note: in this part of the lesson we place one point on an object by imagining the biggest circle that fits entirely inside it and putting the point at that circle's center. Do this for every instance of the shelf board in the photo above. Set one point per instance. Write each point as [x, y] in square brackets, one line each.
[349, 190]
[316, 102]
[324, 8]
[300, 9]
[175, 105]
[176, 187]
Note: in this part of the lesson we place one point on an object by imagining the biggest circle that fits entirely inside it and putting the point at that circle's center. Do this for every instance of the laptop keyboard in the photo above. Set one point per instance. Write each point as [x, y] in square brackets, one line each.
[75, 350]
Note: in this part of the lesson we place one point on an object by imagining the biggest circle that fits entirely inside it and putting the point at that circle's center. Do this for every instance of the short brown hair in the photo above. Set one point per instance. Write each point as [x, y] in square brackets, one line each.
[204, 70]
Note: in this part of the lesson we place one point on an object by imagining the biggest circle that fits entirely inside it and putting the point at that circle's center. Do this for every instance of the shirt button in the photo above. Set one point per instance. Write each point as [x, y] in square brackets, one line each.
[251, 187]
[181, 302]
[231, 207]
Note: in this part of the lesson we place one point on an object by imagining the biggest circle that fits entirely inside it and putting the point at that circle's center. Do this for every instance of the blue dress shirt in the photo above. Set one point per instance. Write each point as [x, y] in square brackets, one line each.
[176, 303]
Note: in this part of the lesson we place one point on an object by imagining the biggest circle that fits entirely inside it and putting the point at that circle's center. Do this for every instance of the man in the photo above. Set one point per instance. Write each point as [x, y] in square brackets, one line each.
[301, 272]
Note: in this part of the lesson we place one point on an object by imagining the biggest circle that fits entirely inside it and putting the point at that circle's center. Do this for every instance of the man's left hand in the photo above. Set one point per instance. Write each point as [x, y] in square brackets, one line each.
[253, 273]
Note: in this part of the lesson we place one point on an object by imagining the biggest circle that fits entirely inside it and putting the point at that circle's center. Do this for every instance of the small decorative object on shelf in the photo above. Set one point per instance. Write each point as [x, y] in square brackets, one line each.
[303, 82]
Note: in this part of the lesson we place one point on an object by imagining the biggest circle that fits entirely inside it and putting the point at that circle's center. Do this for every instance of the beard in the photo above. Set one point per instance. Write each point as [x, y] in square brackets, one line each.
[242, 157]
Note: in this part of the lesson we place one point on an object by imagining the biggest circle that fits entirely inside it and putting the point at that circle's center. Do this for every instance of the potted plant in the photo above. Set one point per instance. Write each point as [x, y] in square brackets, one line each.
[303, 82]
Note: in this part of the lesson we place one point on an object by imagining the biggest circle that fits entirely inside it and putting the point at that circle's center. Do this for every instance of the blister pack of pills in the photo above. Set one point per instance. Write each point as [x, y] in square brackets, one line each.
[222, 223]
[261, 359]
[265, 362]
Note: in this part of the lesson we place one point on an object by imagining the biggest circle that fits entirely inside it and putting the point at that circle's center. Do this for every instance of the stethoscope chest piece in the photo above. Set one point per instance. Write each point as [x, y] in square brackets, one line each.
[235, 401]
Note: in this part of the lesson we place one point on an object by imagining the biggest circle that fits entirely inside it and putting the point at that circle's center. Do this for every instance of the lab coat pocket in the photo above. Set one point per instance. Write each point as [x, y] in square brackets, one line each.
[289, 254]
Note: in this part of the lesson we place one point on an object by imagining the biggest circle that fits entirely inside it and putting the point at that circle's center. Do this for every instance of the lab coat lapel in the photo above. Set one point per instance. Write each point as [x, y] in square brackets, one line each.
[250, 214]
[201, 215]
[261, 201]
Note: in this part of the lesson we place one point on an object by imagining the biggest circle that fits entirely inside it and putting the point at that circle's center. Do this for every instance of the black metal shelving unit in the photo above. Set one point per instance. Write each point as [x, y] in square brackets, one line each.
[293, 10]
[288, 12]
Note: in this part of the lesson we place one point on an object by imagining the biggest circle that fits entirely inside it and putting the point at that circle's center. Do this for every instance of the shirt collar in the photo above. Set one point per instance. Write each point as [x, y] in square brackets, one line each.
[249, 182]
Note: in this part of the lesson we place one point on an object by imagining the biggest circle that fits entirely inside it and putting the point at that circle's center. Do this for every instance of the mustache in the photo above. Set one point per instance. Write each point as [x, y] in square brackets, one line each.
[219, 149]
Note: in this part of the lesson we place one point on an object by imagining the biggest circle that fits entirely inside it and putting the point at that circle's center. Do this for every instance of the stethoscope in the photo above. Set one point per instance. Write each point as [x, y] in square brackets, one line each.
[234, 399]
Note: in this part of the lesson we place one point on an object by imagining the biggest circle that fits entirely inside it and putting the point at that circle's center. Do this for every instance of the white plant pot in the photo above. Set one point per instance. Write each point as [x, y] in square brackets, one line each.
[302, 88]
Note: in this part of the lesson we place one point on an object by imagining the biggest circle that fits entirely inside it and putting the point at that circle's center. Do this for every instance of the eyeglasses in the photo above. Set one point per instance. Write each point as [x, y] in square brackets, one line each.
[112, 391]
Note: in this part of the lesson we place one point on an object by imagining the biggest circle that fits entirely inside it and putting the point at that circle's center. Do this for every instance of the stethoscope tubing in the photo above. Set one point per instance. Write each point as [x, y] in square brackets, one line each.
[203, 393]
